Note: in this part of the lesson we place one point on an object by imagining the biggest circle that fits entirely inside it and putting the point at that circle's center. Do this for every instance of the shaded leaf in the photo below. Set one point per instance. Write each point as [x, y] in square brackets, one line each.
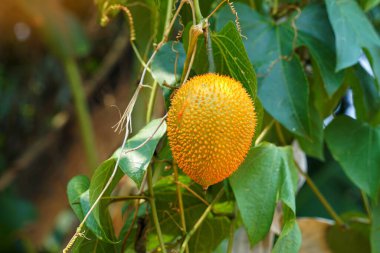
[93, 245]
[98, 181]
[76, 186]
[100, 225]
[355, 146]
[167, 66]
[283, 88]
[366, 97]
[135, 163]
[352, 29]
[315, 32]
[351, 240]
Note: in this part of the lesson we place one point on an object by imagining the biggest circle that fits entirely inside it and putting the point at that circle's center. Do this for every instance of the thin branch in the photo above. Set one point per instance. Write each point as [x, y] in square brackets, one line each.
[264, 132]
[200, 221]
[180, 201]
[232, 231]
[154, 209]
[321, 198]
[193, 192]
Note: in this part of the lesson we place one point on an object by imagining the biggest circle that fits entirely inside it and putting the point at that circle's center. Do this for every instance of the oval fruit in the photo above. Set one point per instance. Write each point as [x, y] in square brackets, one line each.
[211, 123]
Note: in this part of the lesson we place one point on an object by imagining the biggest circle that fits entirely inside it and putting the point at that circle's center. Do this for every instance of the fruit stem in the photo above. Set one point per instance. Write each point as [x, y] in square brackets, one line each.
[200, 221]
[321, 198]
[232, 231]
[180, 201]
[154, 209]
[83, 115]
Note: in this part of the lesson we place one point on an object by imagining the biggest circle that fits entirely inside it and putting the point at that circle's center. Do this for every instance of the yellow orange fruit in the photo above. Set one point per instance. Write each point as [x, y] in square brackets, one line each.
[211, 123]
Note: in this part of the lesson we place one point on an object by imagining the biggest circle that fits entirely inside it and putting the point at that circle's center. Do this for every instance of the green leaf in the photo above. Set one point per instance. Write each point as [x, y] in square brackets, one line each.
[76, 186]
[135, 163]
[167, 66]
[366, 97]
[231, 59]
[91, 244]
[315, 32]
[283, 88]
[324, 104]
[290, 237]
[352, 29]
[100, 226]
[375, 227]
[313, 145]
[267, 173]
[100, 213]
[356, 146]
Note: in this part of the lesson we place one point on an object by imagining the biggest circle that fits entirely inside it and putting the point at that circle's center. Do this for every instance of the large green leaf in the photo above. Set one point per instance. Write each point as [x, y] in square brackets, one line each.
[283, 88]
[101, 225]
[100, 213]
[314, 32]
[356, 146]
[76, 186]
[352, 29]
[135, 163]
[231, 59]
[267, 174]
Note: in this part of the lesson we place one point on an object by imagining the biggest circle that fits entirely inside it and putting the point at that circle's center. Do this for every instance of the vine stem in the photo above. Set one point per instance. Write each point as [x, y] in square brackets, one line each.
[321, 198]
[198, 13]
[232, 231]
[84, 119]
[154, 209]
[180, 201]
[200, 221]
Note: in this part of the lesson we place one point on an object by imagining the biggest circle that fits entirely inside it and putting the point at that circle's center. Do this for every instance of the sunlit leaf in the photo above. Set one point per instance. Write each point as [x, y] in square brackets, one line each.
[267, 174]
[135, 163]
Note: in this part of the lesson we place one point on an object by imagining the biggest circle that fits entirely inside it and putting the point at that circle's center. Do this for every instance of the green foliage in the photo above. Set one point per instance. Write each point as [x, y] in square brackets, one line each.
[270, 172]
[135, 163]
[297, 62]
[281, 77]
[356, 145]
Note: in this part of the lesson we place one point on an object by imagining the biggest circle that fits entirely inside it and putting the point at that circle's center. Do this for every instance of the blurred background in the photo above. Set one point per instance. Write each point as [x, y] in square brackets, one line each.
[52, 54]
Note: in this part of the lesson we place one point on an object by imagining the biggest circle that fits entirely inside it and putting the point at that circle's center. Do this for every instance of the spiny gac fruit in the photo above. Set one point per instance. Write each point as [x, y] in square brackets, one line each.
[211, 123]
